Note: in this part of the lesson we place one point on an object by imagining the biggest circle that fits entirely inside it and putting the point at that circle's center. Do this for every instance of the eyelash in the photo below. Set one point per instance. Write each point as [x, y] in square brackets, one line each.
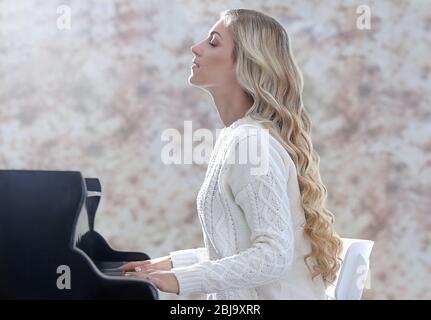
[212, 45]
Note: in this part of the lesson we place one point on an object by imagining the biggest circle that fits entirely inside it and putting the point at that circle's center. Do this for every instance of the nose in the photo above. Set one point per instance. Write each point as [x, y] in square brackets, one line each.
[195, 49]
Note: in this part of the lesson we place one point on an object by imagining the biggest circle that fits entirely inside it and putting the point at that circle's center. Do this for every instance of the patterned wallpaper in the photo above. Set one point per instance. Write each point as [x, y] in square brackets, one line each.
[97, 96]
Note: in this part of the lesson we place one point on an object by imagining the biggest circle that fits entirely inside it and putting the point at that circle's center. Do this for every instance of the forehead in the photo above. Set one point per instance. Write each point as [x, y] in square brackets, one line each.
[220, 28]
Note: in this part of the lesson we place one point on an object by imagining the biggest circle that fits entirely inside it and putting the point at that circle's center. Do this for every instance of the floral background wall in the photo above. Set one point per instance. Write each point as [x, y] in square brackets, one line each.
[97, 96]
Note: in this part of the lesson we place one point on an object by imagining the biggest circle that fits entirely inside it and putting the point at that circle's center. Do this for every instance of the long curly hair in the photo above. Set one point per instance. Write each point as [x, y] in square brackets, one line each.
[268, 73]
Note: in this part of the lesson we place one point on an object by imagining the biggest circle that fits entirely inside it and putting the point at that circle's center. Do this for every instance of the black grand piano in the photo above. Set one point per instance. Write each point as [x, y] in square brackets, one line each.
[48, 246]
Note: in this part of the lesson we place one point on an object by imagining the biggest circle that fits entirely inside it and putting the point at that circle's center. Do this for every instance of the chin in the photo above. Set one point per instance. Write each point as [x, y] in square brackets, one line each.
[192, 81]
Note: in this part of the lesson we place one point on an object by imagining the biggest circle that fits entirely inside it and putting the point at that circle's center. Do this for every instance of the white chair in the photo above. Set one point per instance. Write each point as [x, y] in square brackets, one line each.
[351, 277]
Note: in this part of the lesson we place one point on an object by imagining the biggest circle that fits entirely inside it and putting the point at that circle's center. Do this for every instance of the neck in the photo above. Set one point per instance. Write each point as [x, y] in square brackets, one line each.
[231, 104]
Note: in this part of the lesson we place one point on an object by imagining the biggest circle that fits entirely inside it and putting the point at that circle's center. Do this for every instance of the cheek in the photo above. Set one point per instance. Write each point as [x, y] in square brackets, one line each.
[223, 62]
[226, 56]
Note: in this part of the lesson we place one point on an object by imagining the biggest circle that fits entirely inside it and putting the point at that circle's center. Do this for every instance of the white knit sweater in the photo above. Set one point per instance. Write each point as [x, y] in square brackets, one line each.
[252, 225]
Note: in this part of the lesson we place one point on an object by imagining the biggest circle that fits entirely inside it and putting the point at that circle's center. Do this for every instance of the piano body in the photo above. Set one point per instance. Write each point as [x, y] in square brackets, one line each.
[48, 246]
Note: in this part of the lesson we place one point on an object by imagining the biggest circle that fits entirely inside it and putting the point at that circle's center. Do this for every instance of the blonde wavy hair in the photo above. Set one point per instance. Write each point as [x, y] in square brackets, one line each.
[268, 73]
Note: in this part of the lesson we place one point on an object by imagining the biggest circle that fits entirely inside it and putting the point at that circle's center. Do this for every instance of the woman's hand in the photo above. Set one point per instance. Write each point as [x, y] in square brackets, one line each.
[164, 280]
[160, 264]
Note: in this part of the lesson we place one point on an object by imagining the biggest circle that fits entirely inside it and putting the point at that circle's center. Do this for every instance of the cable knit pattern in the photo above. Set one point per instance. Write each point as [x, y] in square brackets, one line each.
[254, 242]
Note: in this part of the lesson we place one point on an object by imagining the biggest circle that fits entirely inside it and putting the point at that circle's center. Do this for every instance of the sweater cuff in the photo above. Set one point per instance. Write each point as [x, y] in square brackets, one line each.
[183, 258]
[190, 279]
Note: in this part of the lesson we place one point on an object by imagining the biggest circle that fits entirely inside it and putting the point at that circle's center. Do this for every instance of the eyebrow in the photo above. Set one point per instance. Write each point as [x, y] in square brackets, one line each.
[212, 32]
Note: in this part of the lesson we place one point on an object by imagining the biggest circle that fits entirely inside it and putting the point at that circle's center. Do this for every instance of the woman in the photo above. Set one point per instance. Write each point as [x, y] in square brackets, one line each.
[267, 235]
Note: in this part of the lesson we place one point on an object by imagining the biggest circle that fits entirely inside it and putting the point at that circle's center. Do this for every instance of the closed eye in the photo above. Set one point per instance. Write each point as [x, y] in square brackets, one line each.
[211, 44]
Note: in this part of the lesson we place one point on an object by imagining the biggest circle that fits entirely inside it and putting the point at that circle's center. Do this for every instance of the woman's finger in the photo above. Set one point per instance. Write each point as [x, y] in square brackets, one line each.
[130, 274]
[128, 266]
[144, 268]
[132, 265]
[137, 275]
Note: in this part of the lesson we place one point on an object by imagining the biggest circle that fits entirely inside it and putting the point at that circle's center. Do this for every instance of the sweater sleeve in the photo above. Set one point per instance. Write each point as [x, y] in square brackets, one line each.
[264, 202]
[182, 258]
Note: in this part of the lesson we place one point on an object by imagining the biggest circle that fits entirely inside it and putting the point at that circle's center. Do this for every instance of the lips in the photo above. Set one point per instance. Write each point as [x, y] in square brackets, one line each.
[195, 63]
